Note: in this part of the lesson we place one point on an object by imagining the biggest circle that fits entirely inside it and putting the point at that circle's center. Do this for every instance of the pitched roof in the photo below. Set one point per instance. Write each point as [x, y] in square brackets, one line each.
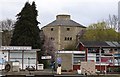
[65, 23]
[100, 44]
[64, 20]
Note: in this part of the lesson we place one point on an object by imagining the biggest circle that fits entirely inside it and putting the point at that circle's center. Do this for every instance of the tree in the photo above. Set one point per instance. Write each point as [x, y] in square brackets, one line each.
[49, 48]
[100, 32]
[113, 22]
[6, 37]
[7, 24]
[7, 29]
[26, 31]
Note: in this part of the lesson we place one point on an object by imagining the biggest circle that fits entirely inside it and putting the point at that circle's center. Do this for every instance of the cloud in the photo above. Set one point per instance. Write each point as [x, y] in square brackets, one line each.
[82, 11]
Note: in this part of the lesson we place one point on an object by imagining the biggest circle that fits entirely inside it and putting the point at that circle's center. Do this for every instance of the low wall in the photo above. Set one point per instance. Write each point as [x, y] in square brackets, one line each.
[61, 76]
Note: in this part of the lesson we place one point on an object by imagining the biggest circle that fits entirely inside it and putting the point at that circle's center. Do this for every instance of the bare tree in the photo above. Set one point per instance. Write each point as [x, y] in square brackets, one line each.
[7, 24]
[113, 22]
[110, 21]
[49, 47]
[6, 27]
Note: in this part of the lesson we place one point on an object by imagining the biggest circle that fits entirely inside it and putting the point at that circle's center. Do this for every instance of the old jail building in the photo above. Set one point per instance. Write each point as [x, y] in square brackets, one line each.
[62, 31]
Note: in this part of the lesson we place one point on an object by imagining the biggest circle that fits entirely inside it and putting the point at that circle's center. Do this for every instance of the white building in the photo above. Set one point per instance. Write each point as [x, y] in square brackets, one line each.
[69, 60]
[24, 54]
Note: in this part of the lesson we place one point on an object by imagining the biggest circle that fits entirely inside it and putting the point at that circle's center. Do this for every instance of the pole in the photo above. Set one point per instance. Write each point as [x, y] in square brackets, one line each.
[29, 65]
[28, 62]
[100, 59]
[22, 60]
[2, 63]
[2, 67]
[118, 46]
[105, 68]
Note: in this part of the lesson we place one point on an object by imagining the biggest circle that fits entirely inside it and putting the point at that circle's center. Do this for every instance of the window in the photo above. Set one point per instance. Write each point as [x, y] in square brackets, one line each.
[65, 38]
[77, 58]
[51, 38]
[68, 38]
[2, 52]
[68, 29]
[97, 59]
[52, 29]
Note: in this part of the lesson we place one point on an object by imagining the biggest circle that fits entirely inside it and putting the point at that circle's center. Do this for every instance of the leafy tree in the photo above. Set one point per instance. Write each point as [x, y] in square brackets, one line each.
[100, 32]
[26, 31]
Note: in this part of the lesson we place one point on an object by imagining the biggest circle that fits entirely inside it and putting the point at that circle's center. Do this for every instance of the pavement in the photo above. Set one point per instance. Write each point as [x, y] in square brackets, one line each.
[40, 72]
[47, 73]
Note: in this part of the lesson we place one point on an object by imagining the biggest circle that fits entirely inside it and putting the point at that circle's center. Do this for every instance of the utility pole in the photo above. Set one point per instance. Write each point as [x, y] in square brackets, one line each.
[100, 58]
[118, 47]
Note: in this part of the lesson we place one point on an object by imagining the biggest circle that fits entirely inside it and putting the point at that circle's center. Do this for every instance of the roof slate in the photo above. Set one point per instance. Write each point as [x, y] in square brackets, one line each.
[65, 23]
[100, 44]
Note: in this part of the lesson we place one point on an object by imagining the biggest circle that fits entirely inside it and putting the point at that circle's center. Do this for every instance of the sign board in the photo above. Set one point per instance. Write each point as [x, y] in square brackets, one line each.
[46, 57]
[59, 60]
[74, 52]
[15, 48]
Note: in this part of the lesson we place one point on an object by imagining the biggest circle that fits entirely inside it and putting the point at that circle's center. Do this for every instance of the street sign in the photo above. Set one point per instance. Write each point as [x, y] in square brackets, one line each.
[59, 60]
[46, 57]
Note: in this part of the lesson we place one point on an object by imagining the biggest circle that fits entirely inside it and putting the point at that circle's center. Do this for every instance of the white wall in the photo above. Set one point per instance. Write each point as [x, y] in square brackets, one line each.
[3, 58]
[17, 55]
[4, 55]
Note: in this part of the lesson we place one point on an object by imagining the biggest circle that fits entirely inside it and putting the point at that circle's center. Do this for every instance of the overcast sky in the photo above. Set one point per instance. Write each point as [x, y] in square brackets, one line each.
[84, 12]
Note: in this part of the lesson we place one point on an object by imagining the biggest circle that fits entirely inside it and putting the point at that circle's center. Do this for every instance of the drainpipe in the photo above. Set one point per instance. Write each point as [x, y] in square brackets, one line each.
[8, 55]
[86, 52]
[59, 36]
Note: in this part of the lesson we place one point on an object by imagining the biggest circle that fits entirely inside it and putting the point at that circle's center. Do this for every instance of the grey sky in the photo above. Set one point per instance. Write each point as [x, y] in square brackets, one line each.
[84, 12]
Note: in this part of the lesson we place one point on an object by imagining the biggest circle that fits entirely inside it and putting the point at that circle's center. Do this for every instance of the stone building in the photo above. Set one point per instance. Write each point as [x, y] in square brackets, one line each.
[62, 31]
